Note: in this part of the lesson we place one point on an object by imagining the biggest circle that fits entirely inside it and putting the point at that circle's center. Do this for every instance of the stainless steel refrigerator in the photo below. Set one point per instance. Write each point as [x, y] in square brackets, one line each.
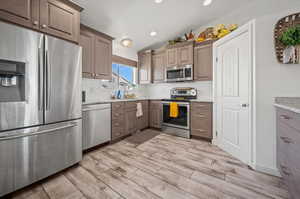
[40, 106]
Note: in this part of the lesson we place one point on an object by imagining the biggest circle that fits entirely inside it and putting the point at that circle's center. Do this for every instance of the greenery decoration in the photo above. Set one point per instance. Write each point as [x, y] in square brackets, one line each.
[291, 37]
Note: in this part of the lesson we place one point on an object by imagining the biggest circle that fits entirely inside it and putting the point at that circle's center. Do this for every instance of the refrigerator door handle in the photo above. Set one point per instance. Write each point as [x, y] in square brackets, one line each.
[48, 75]
[20, 135]
[40, 73]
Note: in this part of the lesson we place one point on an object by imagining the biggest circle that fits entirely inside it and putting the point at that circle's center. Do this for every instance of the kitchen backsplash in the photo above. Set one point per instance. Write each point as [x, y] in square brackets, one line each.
[160, 91]
[97, 90]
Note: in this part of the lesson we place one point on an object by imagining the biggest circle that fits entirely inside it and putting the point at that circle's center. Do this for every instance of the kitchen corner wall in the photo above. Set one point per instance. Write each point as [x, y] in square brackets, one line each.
[97, 90]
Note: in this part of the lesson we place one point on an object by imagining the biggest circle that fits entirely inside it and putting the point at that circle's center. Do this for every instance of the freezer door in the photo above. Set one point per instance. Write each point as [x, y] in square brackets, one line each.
[21, 62]
[62, 80]
[29, 155]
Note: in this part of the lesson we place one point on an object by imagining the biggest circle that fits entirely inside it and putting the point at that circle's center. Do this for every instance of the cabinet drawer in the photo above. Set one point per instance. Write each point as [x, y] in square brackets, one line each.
[201, 127]
[118, 107]
[117, 123]
[117, 115]
[117, 132]
[289, 145]
[130, 105]
[290, 118]
[201, 106]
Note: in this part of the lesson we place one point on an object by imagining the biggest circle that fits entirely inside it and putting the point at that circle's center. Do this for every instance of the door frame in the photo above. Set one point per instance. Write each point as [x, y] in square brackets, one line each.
[248, 27]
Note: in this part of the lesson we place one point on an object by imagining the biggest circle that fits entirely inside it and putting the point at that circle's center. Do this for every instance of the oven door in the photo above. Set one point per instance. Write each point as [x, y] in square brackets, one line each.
[183, 119]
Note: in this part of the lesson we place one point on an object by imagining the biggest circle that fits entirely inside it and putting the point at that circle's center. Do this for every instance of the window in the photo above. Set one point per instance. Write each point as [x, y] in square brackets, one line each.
[124, 75]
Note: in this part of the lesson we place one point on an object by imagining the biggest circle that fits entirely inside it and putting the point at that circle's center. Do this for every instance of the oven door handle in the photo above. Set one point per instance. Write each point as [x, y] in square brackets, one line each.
[186, 104]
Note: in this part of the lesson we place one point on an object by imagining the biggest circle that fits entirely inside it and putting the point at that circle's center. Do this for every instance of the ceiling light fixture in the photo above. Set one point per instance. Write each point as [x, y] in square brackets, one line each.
[207, 2]
[126, 42]
[158, 1]
[153, 33]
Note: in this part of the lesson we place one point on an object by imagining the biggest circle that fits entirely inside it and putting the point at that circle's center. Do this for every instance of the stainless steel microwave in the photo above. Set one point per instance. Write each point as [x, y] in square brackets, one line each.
[179, 73]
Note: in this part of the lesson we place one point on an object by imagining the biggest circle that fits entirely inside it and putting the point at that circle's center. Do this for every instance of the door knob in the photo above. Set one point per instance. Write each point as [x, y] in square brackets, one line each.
[245, 105]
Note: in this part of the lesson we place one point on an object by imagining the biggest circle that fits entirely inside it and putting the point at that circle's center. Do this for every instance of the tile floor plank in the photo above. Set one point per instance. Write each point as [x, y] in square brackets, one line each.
[163, 167]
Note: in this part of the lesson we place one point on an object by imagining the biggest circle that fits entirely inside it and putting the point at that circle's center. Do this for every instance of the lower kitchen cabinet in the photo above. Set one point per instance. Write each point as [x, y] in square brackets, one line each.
[143, 122]
[201, 119]
[130, 118]
[288, 149]
[118, 124]
[124, 120]
[155, 114]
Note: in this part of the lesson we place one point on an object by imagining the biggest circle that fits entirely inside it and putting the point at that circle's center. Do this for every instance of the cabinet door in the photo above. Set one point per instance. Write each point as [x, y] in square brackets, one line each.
[130, 121]
[143, 122]
[86, 41]
[201, 120]
[59, 19]
[185, 55]
[158, 64]
[203, 68]
[103, 58]
[145, 71]
[155, 114]
[22, 12]
[172, 57]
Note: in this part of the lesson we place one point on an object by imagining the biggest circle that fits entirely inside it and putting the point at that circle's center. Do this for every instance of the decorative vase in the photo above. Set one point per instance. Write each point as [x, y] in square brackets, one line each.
[297, 49]
[291, 55]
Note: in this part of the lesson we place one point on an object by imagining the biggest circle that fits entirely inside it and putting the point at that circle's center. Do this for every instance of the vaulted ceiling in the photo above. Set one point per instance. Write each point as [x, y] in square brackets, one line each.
[137, 18]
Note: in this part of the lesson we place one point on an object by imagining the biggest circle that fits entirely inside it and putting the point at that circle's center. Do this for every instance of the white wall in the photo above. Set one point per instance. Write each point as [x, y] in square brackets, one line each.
[121, 51]
[273, 79]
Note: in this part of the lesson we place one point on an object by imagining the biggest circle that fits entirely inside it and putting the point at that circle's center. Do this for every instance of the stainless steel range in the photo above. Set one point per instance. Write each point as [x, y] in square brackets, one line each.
[180, 125]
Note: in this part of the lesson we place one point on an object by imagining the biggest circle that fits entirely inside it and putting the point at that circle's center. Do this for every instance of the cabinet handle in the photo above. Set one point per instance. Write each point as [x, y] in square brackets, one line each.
[117, 114]
[284, 170]
[286, 140]
[285, 117]
[44, 26]
[35, 23]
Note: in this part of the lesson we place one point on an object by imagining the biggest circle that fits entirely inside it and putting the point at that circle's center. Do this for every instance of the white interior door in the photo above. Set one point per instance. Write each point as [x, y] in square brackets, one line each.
[233, 96]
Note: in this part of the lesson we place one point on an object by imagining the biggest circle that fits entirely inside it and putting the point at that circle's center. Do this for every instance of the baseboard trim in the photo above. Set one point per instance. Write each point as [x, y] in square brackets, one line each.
[267, 170]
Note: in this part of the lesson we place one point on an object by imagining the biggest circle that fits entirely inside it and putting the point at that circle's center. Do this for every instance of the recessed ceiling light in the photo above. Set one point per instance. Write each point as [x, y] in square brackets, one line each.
[158, 1]
[207, 2]
[153, 33]
[126, 42]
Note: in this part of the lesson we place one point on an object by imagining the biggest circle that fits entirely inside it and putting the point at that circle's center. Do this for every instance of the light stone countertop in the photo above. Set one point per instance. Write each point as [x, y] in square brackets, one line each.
[139, 99]
[288, 103]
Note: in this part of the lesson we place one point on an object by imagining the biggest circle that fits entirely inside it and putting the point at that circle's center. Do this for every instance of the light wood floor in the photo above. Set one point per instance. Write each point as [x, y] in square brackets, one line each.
[163, 167]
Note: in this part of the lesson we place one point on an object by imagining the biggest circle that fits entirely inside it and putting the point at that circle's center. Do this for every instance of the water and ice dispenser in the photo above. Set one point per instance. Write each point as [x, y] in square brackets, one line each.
[12, 81]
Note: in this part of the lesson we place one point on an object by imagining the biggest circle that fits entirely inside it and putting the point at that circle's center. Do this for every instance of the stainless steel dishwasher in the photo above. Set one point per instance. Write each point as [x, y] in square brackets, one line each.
[96, 125]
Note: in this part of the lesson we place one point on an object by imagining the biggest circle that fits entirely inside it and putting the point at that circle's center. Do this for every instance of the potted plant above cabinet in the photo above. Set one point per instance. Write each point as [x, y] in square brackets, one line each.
[96, 54]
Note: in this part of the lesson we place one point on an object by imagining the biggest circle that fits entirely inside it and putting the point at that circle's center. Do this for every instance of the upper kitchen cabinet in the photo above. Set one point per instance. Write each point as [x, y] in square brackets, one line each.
[172, 59]
[86, 41]
[159, 66]
[21, 12]
[180, 54]
[185, 55]
[103, 58]
[96, 54]
[60, 18]
[145, 67]
[203, 62]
